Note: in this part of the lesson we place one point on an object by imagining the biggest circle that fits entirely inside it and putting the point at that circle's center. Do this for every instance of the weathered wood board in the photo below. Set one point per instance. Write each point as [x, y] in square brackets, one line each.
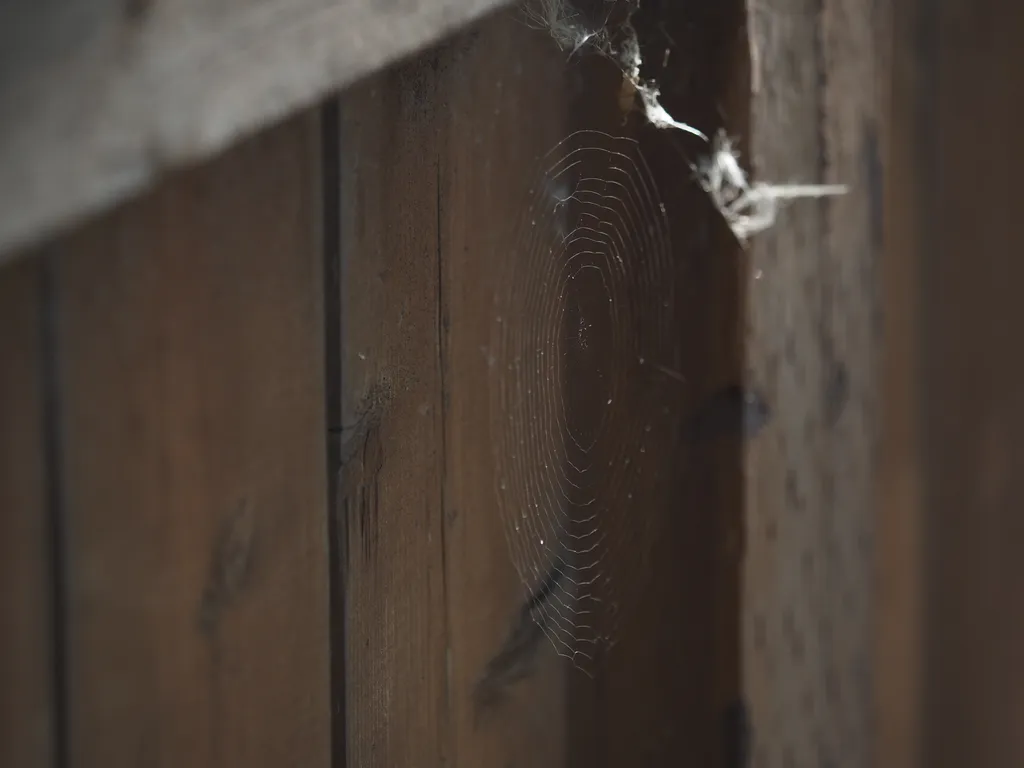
[390, 502]
[98, 99]
[27, 705]
[503, 89]
[433, 153]
[813, 344]
[189, 343]
[955, 240]
[666, 691]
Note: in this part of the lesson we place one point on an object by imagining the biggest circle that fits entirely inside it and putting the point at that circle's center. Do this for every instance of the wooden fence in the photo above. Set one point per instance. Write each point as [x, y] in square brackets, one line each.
[248, 508]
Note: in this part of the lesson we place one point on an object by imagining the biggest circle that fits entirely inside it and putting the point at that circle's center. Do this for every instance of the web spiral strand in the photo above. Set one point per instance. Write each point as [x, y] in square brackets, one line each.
[582, 311]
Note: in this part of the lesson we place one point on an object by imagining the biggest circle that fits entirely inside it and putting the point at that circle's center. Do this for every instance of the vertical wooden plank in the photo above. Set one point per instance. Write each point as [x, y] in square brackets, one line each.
[813, 341]
[392, 416]
[26, 706]
[503, 84]
[666, 692]
[955, 223]
[191, 381]
[434, 154]
[901, 519]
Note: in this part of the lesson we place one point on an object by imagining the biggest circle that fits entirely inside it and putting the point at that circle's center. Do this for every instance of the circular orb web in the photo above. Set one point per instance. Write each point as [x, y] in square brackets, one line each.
[581, 422]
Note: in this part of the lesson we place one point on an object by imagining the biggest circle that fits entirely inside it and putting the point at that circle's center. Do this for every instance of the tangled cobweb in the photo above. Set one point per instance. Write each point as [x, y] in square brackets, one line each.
[584, 317]
[565, 25]
[747, 207]
[572, 32]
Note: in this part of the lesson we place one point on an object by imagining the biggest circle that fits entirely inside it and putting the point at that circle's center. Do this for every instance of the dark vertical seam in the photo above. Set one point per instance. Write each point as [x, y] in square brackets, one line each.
[925, 39]
[739, 728]
[821, 88]
[826, 346]
[331, 228]
[825, 288]
[330, 154]
[824, 205]
[442, 350]
[826, 332]
[56, 507]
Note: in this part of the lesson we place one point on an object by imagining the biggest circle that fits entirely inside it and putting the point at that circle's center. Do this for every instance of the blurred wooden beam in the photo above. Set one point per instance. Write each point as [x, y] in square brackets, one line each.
[813, 345]
[99, 97]
[956, 225]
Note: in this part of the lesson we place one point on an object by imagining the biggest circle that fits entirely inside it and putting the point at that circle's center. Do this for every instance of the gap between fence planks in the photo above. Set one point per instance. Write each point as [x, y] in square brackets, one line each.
[27, 706]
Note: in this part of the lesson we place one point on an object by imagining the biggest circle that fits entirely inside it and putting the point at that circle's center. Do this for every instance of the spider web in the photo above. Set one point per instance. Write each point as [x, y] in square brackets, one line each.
[581, 419]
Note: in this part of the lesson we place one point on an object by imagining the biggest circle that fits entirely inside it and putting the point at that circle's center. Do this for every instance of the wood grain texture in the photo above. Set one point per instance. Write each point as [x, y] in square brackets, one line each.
[665, 689]
[955, 231]
[814, 343]
[391, 502]
[26, 644]
[190, 342]
[98, 99]
[503, 86]
[433, 153]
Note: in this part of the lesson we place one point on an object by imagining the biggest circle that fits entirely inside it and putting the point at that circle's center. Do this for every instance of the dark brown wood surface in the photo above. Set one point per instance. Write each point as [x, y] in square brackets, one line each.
[955, 197]
[390, 502]
[189, 337]
[900, 636]
[502, 87]
[433, 154]
[663, 693]
[26, 630]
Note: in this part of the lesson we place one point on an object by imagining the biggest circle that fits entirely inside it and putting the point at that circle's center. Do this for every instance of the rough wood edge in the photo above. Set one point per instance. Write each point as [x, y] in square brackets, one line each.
[98, 100]
[814, 343]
